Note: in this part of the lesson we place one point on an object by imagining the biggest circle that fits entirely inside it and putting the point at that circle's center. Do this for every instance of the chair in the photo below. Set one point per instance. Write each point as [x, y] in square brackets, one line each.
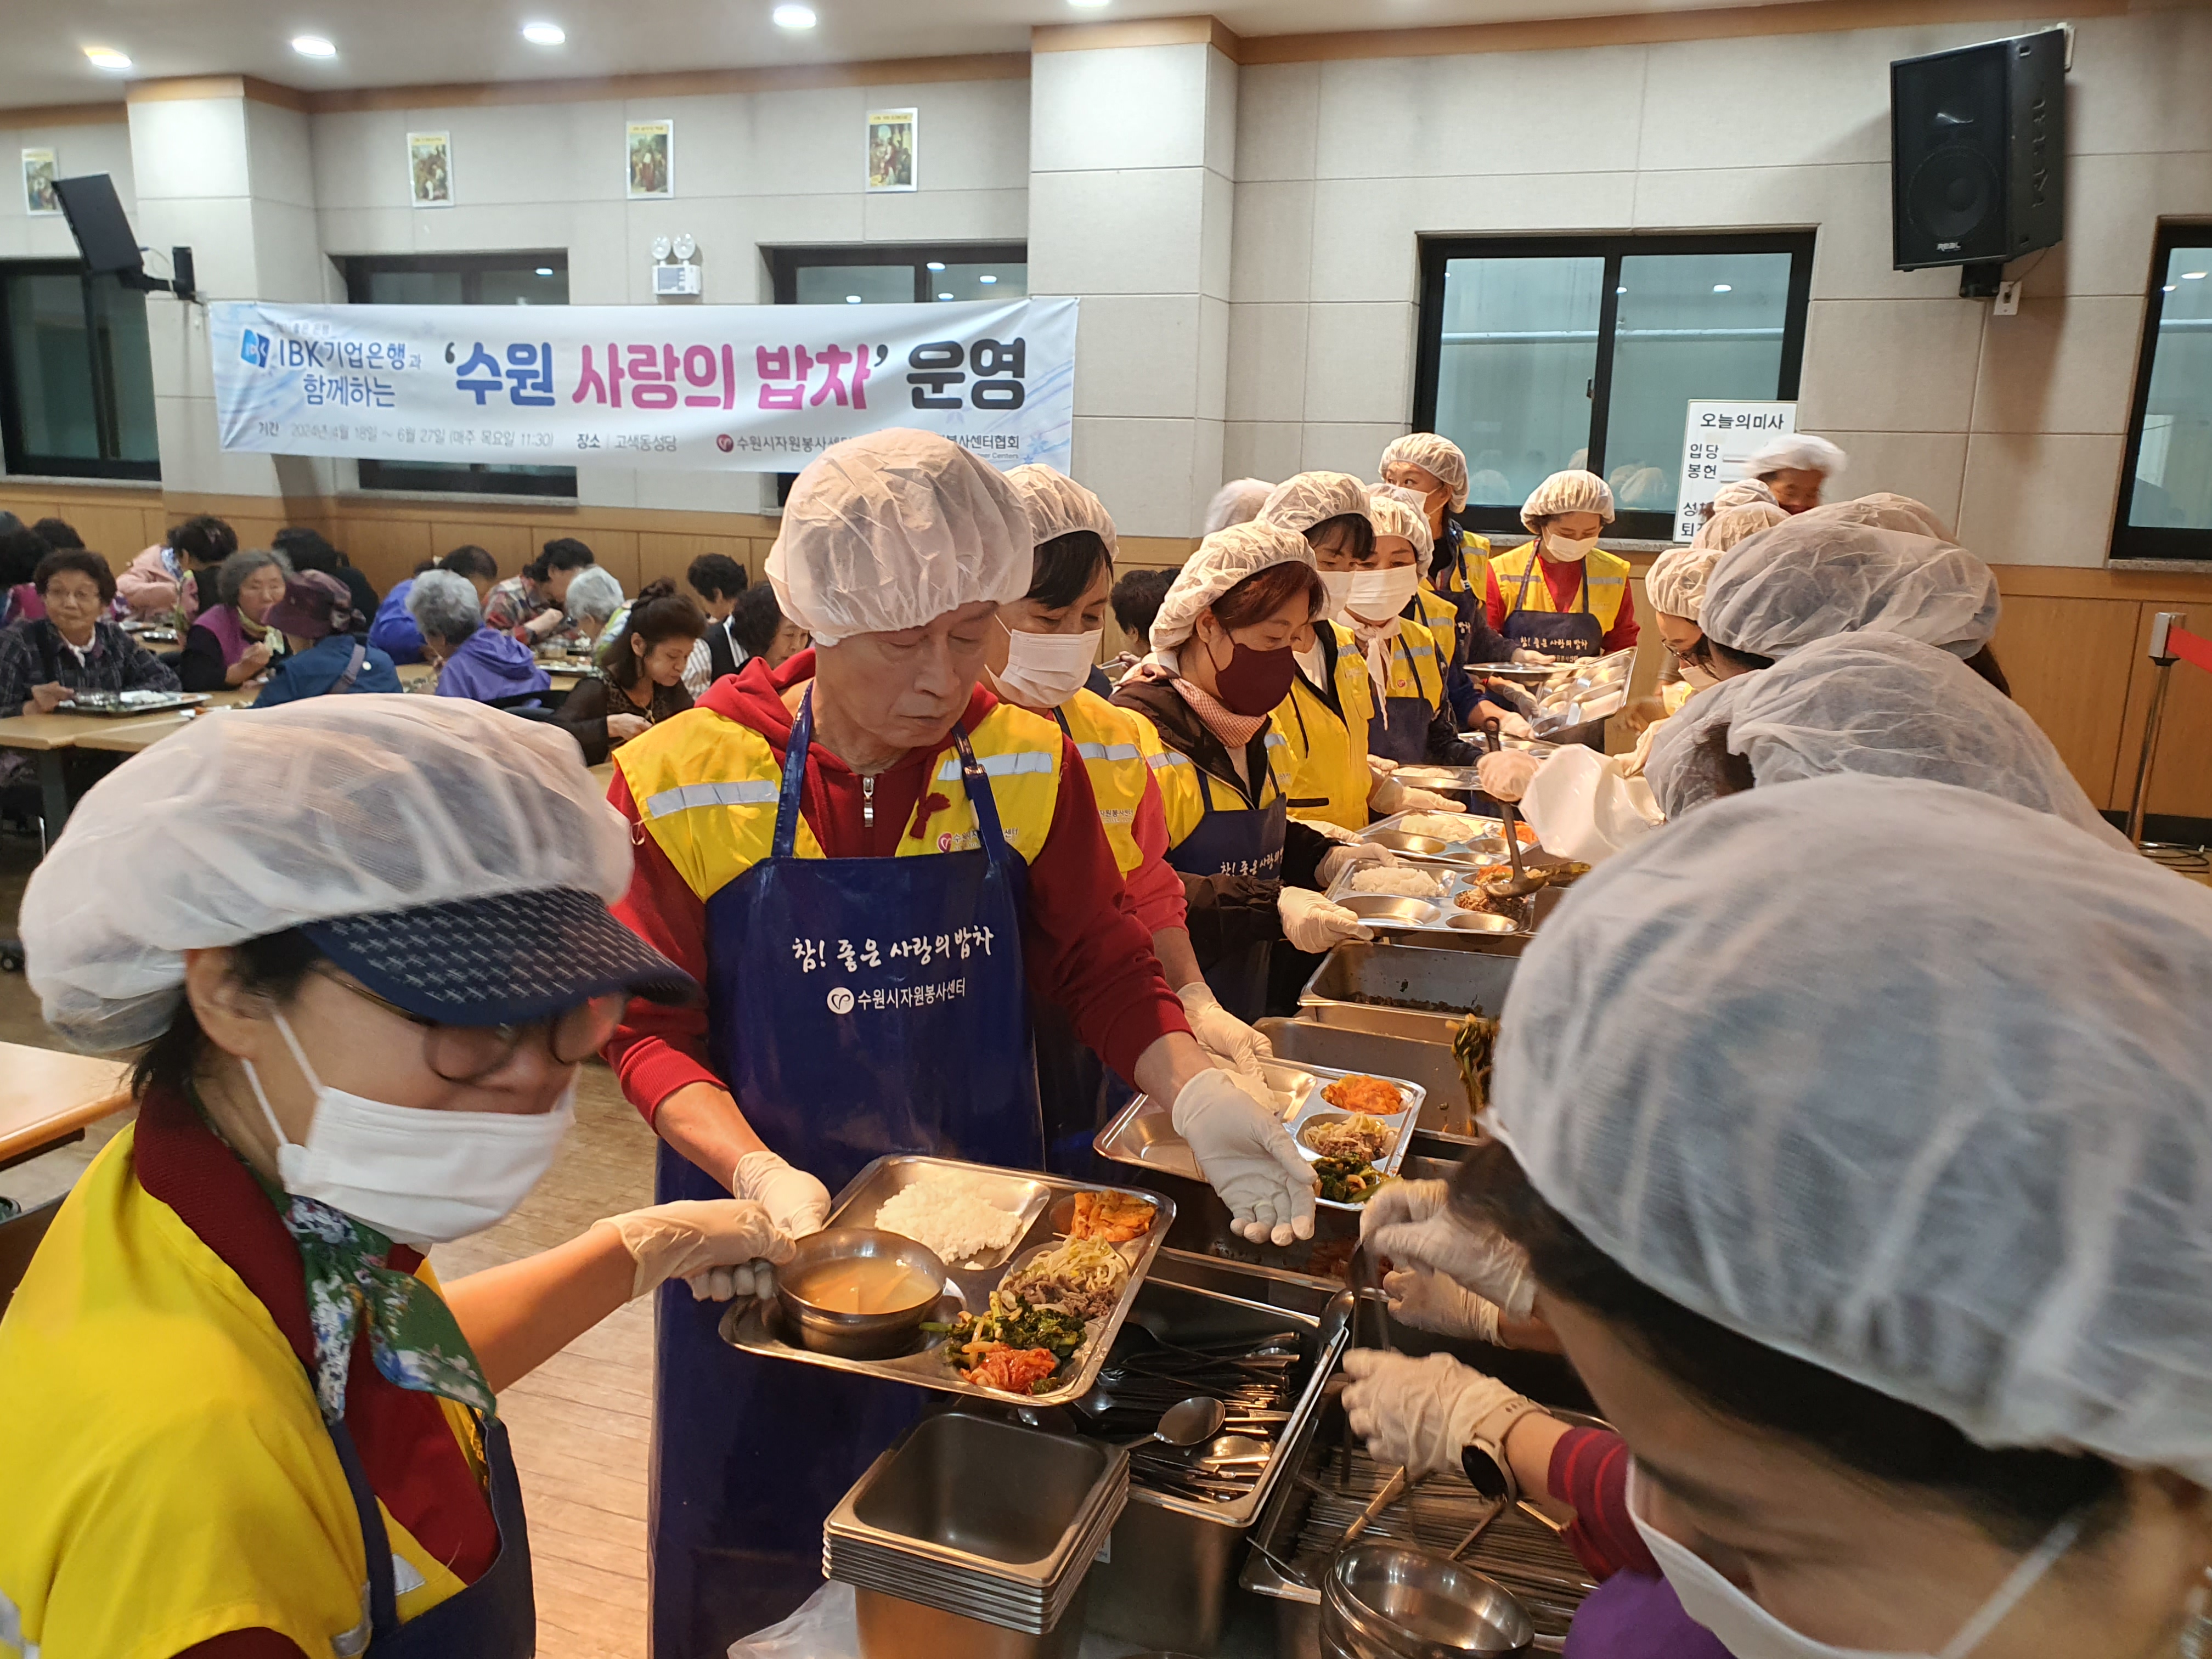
[19, 1238]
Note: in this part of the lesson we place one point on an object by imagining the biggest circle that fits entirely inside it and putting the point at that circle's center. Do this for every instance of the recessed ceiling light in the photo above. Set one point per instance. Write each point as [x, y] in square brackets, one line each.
[986, 279]
[793, 17]
[852, 299]
[544, 271]
[313, 45]
[937, 265]
[2192, 276]
[1722, 288]
[106, 57]
[544, 35]
[1086, 5]
[944, 296]
[2168, 289]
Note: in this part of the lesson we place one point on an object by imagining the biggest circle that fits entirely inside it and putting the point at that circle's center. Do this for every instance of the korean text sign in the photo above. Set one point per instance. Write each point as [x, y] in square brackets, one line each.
[1717, 439]
[737, 388]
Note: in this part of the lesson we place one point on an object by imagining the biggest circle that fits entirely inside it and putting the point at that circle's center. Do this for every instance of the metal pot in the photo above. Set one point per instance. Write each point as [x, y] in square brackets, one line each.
[1389, 1601]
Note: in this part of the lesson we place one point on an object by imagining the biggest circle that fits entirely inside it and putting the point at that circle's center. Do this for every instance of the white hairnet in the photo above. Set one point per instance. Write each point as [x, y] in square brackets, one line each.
[1732, 525]
[1398, 512]
[1223, 559]
[1676, 581]
[1058, 506]
[1798, 452]
[244, 825]
[1741, 492]
[593, 592]
[1301, 502]
[1572, 491]
[893, 531]
[1435, 455]
[1238, 501]
[1810, 578]
[1807, 1064]
[1876, 703]
[1885, 511]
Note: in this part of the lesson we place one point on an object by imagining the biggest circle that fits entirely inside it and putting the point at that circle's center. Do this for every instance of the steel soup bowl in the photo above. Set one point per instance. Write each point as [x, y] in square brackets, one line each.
[1388, 1598]
[849, 1335]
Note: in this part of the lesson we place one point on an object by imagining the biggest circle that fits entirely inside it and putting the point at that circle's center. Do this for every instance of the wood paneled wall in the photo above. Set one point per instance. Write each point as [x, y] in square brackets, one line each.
[2072, 640]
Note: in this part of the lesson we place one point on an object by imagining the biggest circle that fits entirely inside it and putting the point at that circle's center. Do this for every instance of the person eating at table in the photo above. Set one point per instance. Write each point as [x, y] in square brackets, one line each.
[232, 643]
[327, 654]
[474, 660]
[74, 647]
[360, 947]
[872, 863]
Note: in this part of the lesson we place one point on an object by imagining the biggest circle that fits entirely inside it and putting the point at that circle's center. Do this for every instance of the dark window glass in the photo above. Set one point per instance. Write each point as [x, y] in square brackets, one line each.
[76, 377]
[2166, 506]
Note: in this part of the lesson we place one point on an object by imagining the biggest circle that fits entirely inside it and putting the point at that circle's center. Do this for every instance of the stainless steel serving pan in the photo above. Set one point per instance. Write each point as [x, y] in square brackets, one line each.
[1403, 992]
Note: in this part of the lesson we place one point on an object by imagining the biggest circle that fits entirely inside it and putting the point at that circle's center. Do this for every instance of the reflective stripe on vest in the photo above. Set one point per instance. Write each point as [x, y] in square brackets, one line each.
[1107, 752]
[996, 766]
[1114, 746]
[685, 797]
[1187, 789]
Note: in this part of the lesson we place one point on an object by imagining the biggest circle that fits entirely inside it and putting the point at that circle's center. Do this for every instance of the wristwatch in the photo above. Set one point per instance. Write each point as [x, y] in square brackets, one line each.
[1489, 1471]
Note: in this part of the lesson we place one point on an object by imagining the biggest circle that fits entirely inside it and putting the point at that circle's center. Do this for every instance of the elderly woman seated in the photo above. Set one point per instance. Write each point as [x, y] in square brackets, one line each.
[328, 654]
[594, 604]
[232, 643]
[74, 647]
[473, 661]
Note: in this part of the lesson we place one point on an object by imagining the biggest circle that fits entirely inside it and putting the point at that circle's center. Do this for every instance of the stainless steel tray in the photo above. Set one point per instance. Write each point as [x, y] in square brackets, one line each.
[130, 705]
[1581, 690]
[1393, 913]
[1141, 1132]
[1381, 987]
[1378, 1054]
[1043, 1201]
[1481, 847]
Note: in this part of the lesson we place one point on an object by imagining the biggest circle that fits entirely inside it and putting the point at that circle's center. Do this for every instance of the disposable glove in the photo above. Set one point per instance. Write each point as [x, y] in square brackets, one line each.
[1417, 1412]
[1411, 1222]
[1312, 924]
[1222, 1035]
[1246, 1157]
[1327, 831]
[1506, 774]
[795, 1201]
[1515, 725]
[1427, 801]
[1338, 859]
[1427, 1301]
[723, 1247]
[1534, 658]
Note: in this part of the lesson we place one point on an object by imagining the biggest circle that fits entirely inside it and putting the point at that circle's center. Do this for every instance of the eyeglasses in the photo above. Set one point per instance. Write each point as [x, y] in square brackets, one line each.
[465, 1054]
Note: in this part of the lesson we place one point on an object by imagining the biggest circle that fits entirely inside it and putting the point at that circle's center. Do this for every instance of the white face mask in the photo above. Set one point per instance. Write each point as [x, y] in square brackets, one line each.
[418, 1175]
[1339, 584]
[1697, 676]
[1045, 669]
[1749, 1631]
[1565, 550]
[1381, 594]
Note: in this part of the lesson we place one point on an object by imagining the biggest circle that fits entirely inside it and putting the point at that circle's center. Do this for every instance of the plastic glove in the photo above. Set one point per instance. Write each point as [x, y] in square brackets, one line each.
[1428, 1301]
[1418, 1413]
[1246, 1157]
[1506, 774]
[1381, 765]
[1534, 658]
[722, 1246]
[1327, 831]
[1312, 924]
[1338, 859]
[794, 1199]
[1515, 725]
[1411, 1222]
[1427, 801]
[1236, 1046]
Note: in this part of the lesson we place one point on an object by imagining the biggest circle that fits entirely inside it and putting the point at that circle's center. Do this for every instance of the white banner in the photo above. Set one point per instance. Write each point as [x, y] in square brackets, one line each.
[1717, 439]
[738, 388]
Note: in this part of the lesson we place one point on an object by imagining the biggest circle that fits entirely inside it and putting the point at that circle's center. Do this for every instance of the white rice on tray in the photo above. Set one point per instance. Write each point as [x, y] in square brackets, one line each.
[948, 1214]
[1411, 884]
[1443, 826]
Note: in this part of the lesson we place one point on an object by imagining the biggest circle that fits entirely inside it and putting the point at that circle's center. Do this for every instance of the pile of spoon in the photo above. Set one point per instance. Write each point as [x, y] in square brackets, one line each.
[1202, 1419]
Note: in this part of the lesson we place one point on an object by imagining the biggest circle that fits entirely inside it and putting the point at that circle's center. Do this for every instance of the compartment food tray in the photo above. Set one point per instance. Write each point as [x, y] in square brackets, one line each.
[1395, 913]
[1142, 1135]
[1040, 1201]
[1580, 691]
[130, 705]
[1483, 846]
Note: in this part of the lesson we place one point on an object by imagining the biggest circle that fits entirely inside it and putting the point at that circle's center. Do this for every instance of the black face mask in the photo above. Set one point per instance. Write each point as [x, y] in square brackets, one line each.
[1254, 683]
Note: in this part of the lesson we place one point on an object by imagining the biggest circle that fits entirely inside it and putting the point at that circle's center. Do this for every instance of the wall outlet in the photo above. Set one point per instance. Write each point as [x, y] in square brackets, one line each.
[2008, 300]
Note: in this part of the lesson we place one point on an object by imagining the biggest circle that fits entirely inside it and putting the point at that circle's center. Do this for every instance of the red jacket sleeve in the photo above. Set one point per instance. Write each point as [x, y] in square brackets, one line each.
[1589, 1473]
[657, 1050]
[1085, 950]
[1493, 600]
[1154, 888]
[1622, 634]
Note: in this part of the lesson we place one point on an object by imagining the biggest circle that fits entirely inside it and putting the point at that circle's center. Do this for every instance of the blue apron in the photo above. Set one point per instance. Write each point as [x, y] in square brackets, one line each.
[922, 1046]
[1398, 728]
[1243, 840]
[1562, 633]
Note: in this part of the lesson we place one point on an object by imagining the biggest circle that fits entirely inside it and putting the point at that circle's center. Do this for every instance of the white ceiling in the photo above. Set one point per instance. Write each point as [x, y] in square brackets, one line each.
[413, 42]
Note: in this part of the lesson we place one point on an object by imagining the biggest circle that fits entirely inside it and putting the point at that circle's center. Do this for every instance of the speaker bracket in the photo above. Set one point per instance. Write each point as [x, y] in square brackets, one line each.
[1982, 280]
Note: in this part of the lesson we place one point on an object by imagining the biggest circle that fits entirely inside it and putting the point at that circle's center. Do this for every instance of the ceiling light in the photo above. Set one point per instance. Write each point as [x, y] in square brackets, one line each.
[937, 265]
[544, 271]
[944, 296]
[986, 279]
[1086, 5]
[2168, 289]
[852, 299]
[1621, 290]
[793, 17]
[313, 45]
[544, 35]
[106, 57]
[2192, 276]
[1722, 288]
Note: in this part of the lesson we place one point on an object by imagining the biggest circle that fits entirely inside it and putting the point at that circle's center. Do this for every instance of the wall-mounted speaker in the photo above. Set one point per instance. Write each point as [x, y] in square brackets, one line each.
[1977, 152]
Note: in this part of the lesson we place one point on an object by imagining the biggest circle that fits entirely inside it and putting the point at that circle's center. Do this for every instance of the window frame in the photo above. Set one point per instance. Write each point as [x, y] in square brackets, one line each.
[107, 417]
[783, 263]
[2149, 544]
[1436, 251]
[386, 478]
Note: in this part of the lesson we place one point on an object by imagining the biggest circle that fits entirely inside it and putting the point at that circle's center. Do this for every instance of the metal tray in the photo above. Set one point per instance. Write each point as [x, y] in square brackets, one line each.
[1589, 689]
[1141, 1132]
[1373, 987]
[1305, 1043]
[1042, 1201]
[1394, 913]
[1482, 847]
[130, 705]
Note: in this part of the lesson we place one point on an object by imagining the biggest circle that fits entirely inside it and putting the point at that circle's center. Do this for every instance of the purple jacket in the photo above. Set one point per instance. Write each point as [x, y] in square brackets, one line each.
[490, 665]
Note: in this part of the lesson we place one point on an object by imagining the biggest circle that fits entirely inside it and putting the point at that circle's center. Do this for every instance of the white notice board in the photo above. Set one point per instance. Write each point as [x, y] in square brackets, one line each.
[1717, 439]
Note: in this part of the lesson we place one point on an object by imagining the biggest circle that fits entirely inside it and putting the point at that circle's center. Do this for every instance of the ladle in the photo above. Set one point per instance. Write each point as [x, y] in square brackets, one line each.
[1522, 885]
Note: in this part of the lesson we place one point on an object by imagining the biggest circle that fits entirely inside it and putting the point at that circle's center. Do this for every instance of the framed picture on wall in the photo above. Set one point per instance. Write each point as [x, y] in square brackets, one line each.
[39, 196]
[652, 158]
[891, 147]
[430, 168]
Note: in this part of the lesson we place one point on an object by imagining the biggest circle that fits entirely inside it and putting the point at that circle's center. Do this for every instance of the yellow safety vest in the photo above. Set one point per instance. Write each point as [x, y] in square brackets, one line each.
[1438, 614]
[1467, 574]
[1416, 669]
[1604, 589]
[1329, 779]
[1115, 746]
[1189, 792]
[166, 1473]
[706, 788]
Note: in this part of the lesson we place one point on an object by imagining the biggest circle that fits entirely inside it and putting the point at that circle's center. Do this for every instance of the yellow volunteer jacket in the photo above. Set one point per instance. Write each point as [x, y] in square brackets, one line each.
[1115, 746]
[1416, 665]
[1605, 582]
[1329, 779]
[165, 1472]
[1187, 792]
[1468, 573]
[705, 788]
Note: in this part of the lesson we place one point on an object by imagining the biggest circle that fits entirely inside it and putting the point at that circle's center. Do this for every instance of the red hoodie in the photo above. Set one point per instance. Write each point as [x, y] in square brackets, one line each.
[1083, 947]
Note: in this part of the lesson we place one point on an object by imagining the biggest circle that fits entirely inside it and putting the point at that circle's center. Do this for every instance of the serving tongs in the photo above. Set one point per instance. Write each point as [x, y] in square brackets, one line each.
[1522, 883]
